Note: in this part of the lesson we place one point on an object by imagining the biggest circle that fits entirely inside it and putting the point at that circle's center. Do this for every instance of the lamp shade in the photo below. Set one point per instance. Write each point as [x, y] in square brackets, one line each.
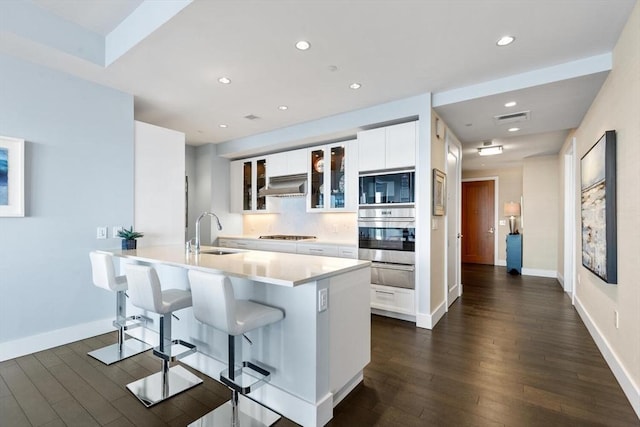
[512, 209]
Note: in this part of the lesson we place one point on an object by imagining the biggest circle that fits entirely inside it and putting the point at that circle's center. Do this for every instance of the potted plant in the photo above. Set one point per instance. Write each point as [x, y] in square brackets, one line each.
[129, 237]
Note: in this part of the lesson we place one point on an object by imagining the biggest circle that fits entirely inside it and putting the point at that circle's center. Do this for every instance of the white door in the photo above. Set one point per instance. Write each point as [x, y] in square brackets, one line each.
[454, 287]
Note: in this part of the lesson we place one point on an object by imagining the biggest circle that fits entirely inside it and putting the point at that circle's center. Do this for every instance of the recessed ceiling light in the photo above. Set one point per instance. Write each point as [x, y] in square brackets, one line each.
[224, 80]
[490, 151]
[223, 126]
[505, 40]
[283, 107]
[510, 104]
[514, 129]
[355, 85]
[303, 45]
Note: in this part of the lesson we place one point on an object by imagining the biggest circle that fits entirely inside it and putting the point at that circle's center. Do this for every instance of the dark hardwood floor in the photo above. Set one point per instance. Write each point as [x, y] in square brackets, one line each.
[512, 351]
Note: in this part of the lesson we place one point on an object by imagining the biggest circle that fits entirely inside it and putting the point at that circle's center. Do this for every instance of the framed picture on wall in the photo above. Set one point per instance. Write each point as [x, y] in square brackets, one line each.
[439, 192]
[598, 208]
[11, 176]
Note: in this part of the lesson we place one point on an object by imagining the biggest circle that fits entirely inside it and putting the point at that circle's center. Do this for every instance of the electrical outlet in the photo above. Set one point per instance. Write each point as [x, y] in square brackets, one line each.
[322, 300]
[503, 222]
[116, 229]
[101, 233]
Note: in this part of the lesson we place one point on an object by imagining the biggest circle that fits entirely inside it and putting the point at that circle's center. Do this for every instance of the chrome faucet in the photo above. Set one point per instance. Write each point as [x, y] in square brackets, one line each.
[196, 248]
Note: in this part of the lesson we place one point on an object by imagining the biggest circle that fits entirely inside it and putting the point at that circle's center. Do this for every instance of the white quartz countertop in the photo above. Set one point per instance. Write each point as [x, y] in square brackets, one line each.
[276, 268]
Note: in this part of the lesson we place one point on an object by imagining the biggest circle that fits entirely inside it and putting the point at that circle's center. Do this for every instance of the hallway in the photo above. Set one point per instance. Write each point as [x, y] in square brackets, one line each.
[512, 351]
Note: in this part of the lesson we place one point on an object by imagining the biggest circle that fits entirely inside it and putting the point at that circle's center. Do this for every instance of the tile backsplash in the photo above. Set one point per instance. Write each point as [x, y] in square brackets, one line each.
[294, 219]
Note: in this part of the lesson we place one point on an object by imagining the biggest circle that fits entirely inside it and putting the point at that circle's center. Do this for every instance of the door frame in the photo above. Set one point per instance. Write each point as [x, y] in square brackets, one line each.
[569, 270]
[495, 210]
[452, 144]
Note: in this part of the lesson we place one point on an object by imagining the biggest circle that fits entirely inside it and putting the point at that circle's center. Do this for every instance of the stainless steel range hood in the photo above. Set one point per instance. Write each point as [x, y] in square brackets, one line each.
[285, 186]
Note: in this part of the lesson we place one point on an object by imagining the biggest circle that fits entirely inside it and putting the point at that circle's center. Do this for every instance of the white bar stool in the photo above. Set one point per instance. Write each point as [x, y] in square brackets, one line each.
[214, 304]
[104, 276]
[146, 293]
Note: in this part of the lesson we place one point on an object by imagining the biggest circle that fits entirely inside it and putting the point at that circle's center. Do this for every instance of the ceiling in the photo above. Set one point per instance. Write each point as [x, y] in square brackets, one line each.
[393, 48]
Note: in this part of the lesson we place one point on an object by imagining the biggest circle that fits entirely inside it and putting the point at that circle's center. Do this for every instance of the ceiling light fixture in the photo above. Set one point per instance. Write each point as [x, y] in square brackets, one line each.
[303, 45]
[510, 104]
[490, 151]
[505, 40]
[355, 86]
[514, 129]
[224, 80]
[283, 107]
[223, 126]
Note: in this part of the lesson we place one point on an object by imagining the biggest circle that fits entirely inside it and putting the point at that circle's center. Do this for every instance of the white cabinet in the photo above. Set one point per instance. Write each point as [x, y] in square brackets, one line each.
[288, 162]
[390, 147]
[348, 252]
[333, 179]
[237, 243]
[247, 177]
[397, 300]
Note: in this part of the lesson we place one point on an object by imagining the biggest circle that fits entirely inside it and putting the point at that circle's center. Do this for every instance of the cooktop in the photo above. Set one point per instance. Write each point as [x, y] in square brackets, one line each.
[287, 237]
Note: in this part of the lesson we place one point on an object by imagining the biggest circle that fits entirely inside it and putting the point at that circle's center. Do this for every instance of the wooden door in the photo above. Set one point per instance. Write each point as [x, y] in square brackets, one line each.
[478, 219]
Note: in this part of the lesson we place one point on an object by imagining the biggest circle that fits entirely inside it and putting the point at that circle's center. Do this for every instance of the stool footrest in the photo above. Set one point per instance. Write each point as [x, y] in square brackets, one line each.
[248, 378]
[174, 354]
[131, 322]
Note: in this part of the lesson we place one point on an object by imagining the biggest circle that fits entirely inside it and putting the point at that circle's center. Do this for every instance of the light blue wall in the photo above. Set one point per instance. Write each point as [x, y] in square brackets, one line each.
[79, 175]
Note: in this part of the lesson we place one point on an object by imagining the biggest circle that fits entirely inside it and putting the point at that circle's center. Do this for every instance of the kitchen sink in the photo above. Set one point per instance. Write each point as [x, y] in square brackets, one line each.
[217, 252]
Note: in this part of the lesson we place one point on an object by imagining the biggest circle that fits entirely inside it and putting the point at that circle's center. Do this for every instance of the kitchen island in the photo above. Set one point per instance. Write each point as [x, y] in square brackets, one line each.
[316, 354]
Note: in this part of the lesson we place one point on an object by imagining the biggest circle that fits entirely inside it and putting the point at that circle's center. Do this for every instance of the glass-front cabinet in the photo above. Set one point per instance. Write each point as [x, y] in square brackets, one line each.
[330, 176]
[247, 177]
[254, 178]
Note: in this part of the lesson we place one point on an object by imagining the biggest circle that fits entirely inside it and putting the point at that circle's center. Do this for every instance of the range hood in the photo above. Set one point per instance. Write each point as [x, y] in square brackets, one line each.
[285, 186]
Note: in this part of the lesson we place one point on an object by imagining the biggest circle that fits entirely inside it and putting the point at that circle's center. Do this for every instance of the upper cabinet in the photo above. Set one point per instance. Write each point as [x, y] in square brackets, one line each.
[288, 163]
[390, 147]
[247, 177]
[333, 178]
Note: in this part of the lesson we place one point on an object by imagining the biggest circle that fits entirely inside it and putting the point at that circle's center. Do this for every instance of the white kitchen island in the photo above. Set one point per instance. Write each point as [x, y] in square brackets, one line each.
[316, 354]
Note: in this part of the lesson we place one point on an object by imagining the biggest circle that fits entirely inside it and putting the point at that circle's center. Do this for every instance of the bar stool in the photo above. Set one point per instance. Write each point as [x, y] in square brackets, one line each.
[146, 293]
[104, 276]
[214, 304]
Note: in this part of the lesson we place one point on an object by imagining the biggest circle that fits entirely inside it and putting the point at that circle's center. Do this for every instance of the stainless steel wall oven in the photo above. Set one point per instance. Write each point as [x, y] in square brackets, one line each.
[386, 237]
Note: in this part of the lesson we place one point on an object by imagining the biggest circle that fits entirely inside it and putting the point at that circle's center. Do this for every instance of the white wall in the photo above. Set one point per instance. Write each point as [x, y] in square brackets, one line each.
[617, 107]
[540, 213]
[79, 175]
[159, 206]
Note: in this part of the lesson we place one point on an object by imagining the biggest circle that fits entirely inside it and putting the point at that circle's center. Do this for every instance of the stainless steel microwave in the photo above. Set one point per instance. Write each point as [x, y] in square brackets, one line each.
[387, 188]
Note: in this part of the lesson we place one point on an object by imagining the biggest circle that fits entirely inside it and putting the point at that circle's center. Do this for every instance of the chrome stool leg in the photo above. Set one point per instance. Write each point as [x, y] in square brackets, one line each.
[170, 380]
[124, 348]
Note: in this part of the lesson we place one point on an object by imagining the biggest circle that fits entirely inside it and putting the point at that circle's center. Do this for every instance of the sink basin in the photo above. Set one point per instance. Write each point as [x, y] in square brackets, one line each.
[217, 252]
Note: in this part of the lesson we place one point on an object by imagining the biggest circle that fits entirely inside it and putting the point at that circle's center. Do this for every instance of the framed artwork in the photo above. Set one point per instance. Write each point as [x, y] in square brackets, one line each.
[11, 176]
[439, 192]
[598, 208]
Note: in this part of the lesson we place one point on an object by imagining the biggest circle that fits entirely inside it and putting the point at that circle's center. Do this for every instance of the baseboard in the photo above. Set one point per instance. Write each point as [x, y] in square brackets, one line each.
[429, 321]
[560, 278]
[539, 273]
[630, 389]
[501, 263]
[393, 314]
[58, 337]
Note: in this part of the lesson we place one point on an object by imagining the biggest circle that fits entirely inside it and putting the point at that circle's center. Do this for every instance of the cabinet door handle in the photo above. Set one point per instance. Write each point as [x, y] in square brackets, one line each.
[384, 292]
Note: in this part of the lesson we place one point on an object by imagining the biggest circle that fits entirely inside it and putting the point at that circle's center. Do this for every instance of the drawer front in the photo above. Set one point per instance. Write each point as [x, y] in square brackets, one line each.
[320, 250]
[348, 252]
[393, 299]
